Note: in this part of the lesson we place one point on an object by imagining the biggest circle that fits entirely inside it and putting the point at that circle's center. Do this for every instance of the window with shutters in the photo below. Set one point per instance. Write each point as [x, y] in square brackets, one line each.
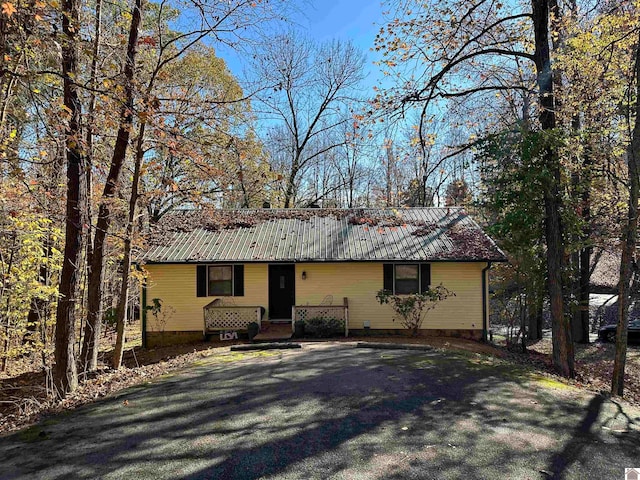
[220, 280]
[407, 278]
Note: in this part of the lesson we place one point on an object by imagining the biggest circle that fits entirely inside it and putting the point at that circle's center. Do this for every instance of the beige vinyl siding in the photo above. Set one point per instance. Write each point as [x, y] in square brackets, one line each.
[464, 311]
[359, 282]
[175, 285]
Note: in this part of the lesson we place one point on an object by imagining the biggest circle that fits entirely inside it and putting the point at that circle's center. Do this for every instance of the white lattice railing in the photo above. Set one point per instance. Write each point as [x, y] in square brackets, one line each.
[230, 318]
[339, 312]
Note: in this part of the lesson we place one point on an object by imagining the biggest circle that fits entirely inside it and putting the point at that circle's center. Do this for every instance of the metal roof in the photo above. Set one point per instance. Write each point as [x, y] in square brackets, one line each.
[301, 235]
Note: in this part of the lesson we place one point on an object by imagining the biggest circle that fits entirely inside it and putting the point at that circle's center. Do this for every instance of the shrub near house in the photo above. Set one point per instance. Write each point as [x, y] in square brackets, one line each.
[323, 327]
[411, 309]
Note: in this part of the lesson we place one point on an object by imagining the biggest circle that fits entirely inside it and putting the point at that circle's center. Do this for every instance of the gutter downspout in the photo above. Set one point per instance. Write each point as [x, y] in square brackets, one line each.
[144, 314]
[485, 309]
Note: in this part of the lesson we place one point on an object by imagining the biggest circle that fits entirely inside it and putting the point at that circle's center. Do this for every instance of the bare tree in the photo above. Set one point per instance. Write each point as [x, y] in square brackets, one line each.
[306, 87]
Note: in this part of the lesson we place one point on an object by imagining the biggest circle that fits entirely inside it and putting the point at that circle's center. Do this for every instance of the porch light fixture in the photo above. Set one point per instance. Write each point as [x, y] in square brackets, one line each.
[304, 275]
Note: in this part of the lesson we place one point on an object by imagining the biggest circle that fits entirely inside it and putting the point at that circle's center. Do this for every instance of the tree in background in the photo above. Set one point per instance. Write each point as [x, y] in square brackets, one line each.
[23, 239]
[202, 147]
[512, 197]
[458, 193]
[307, 89]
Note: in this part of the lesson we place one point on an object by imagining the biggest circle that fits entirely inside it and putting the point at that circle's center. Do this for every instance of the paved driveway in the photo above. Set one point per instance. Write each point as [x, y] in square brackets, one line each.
[334, 411]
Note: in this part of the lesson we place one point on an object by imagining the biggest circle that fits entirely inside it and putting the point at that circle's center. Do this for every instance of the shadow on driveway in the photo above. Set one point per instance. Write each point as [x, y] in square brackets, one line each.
[332, 411]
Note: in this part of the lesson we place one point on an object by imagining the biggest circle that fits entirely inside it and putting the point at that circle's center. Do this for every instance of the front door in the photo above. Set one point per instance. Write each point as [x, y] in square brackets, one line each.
[282, 291]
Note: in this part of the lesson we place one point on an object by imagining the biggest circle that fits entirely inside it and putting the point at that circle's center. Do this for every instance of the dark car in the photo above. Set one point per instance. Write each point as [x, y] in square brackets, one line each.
[608, 332]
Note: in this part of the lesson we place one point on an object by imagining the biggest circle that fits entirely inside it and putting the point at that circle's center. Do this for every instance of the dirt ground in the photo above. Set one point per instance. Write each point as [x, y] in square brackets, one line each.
[594, 365]
[24, 396]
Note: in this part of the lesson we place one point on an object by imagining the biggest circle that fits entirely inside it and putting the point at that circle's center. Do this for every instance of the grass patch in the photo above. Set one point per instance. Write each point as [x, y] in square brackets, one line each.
[33, 434]
[235, 357]
[550, 382]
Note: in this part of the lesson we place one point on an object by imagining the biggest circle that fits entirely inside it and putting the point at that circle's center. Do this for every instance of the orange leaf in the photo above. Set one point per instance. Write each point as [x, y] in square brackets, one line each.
[8, 9]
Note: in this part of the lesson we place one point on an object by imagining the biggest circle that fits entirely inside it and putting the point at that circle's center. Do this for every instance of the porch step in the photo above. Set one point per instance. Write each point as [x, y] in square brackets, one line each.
[273, 331]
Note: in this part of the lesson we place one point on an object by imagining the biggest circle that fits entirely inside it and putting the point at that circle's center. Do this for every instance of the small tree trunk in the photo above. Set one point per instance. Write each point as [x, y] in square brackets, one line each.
[93, 80]
[585, 253]
[585, 266]
[121, 309]
[629, 240]
[291, 188]
[534, 316]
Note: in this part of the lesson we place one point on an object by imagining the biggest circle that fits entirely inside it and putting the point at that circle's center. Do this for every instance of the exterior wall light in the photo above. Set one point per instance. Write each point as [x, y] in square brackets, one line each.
[304, 275]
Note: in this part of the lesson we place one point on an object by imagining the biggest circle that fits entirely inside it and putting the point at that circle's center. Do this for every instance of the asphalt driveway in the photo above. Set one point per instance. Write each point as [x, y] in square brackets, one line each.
[334, 411]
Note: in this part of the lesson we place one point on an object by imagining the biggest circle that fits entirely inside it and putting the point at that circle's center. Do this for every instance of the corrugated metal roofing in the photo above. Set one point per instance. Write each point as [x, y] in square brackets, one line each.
[296, 235]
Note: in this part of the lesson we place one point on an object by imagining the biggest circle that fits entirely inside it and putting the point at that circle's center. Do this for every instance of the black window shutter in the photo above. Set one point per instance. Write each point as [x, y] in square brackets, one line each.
[425, 277]
[201, 281]
[238, 280]
[388, 276]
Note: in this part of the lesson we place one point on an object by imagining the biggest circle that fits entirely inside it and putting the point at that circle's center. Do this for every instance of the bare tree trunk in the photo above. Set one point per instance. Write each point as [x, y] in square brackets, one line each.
[94, 295]
[580, 258]
[630, 233]
[534, 316]
[291, 187]
[585, 252]
[89, 133]
[39, 305]
[563, 352]
[389, 175]
[4, 319]
[65, 374]
[121, 309]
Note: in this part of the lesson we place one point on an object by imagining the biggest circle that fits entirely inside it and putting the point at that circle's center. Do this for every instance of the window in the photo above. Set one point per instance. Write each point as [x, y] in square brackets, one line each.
[407, 278]
[220, 280]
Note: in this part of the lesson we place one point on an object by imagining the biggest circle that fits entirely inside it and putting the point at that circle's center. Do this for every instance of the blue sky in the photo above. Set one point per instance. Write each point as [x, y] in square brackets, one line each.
[346, 19]
[324, 20]
[355, 20]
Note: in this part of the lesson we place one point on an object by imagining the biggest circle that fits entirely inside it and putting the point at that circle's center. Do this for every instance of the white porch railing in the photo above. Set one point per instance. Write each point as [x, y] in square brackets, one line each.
[218, 317]
[305, 312]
